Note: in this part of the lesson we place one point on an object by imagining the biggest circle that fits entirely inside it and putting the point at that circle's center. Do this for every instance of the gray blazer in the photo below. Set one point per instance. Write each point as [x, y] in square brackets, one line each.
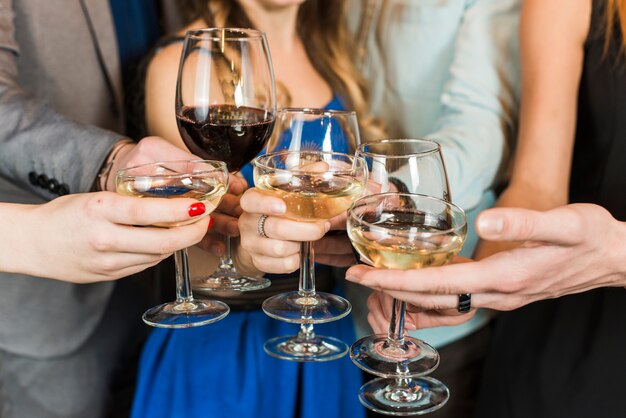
[59, 110]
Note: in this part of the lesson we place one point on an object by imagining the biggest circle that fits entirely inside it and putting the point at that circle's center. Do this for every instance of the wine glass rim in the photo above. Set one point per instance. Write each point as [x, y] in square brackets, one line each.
[259, 161]
[360, 202]
[315, 111]
[436, 147]
[218, 166]
[205, 33]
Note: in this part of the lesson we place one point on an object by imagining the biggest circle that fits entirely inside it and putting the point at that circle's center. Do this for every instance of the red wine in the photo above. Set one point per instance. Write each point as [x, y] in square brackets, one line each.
[226, 133]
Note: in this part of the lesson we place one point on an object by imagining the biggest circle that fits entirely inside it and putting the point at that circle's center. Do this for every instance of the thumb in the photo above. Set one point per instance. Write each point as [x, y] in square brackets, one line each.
[514, 224]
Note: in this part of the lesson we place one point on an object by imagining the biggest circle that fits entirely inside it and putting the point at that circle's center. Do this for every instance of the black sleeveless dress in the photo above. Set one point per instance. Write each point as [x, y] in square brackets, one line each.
[567, 357]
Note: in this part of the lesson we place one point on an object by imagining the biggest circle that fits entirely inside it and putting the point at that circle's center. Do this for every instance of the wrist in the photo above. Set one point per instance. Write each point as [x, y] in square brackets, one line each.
[106, 177]
[620, 259]
[16, 222]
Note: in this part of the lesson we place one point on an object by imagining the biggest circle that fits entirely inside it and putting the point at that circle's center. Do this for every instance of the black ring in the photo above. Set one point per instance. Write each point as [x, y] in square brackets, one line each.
[465, 303]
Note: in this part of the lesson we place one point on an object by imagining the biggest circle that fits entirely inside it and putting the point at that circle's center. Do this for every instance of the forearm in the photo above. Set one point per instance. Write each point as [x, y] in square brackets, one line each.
[479, 101]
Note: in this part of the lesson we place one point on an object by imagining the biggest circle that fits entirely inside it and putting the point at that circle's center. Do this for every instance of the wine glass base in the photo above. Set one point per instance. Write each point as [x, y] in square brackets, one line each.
[225, 280]
[403, 397]
[186, 314]
[316, 349]
[374, 355]
[297, 308]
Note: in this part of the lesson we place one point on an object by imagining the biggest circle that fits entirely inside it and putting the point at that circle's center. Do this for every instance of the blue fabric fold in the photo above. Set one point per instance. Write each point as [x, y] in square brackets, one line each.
[221, 371]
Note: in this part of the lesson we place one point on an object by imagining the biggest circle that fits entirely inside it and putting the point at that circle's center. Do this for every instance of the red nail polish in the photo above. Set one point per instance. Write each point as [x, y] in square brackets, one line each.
[197, 209]
[210, 224]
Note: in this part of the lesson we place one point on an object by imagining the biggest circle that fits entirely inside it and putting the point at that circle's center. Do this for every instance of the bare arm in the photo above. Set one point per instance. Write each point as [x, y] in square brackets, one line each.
[542, 163]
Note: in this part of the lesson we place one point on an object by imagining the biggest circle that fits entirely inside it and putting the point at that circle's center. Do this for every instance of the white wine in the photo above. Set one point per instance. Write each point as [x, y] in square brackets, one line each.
[207, 190]
[404, 241]
[312, 197]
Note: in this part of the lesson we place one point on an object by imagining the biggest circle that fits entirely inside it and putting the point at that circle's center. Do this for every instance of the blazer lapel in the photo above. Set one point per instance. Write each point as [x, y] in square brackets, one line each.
[99, 13]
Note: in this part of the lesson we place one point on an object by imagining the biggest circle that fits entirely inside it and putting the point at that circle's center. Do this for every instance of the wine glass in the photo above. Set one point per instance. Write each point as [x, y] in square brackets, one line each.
[299, 129]
[406, 166]
[206, 181]
[225, 106]
[402, 231]
[315, 186]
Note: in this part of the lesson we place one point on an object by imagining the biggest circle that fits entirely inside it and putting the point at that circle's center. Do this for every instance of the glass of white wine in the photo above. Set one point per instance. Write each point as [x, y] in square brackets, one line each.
[203, 180]
[402, 231]
[314, 185]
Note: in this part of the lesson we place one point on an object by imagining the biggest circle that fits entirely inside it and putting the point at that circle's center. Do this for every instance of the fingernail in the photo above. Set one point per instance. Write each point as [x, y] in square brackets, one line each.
[197, 209]
[490, 225]
[327, 226]
[410, 326]
[210, 224]
[278, 208]
[352, 279]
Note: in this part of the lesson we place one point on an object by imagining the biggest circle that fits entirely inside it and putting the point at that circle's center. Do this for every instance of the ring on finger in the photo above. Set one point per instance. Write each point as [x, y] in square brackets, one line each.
[465, 303]
[261, 226]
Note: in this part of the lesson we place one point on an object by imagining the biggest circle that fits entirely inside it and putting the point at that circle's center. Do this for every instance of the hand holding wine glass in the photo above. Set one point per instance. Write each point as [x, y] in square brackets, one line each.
[400, 232]
[206, 181]
[314, 186]
[93, 238]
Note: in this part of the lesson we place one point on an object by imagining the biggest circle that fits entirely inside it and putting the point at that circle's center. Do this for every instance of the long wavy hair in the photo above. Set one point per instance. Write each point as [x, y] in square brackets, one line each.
[322, 28]
[615, 14]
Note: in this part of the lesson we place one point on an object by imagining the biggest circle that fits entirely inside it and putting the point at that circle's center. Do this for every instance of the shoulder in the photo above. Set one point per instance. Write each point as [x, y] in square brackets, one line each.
[165, 60]
[569, 19]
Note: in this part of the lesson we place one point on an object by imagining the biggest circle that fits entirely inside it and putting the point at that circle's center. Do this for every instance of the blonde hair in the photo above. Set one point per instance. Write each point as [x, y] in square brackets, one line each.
[615, 12]
[322, 28]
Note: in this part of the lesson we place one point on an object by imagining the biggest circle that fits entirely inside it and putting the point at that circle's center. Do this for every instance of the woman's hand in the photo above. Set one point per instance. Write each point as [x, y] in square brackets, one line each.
[567, 250]
[225, 218]
[85, 238]
[280, 251]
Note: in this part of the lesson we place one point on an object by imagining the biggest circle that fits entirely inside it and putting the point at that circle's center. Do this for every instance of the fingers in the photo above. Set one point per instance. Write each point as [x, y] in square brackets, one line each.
[225, 224]
[159, 241]
[377, 317]
[281, 228]
[334, 245]
[116, 265]
[453, 279]
[254, 201]
[431, 319]
[213, 244]
[338, 222]
[147, 211]
[236, 184]
[513, 224]
[230, 205]
[281, 265]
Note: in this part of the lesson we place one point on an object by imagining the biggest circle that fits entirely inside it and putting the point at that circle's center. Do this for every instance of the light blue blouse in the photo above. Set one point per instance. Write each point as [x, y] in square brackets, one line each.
[447, 70]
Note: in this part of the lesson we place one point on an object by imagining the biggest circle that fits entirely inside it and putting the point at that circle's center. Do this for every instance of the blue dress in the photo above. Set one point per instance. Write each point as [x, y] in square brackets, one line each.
[221, 370]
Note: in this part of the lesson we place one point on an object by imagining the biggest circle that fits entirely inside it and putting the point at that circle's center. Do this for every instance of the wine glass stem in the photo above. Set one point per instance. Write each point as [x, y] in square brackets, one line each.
[306, 333]
[307, 270]
[226, 261]
[395, 335]
[183, 284]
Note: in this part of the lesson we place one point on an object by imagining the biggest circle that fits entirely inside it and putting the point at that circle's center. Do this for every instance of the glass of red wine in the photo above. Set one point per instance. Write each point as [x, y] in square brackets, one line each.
[225, 110]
